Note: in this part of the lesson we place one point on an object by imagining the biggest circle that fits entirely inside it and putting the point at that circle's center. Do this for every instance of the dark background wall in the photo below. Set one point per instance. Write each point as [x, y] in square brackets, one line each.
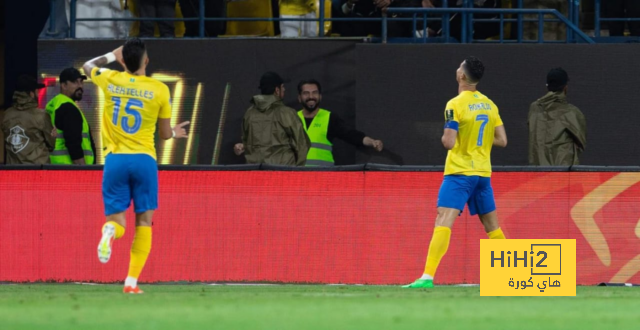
[396, 93]
[216, 62]
[402, 91]
[23, 21]
[20, 23]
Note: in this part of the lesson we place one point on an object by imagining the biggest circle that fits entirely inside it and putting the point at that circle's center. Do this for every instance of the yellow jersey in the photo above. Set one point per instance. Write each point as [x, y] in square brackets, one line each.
[132, 107]
[475, 117]
[296, 7]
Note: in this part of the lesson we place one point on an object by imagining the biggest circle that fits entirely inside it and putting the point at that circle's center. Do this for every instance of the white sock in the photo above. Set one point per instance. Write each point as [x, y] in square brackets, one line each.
[426, 277]
[130, 281]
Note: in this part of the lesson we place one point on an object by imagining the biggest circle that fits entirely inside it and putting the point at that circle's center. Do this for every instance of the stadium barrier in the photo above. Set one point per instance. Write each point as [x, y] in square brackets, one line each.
[466, 11]
[368, 224]
[574, 34]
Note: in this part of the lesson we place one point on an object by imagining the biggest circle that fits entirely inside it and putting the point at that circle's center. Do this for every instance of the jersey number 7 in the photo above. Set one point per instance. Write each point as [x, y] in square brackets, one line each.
[484, 119]
[137, 117]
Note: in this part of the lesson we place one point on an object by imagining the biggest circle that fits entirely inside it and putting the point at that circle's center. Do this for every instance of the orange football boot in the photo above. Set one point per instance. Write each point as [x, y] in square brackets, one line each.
[136, 290]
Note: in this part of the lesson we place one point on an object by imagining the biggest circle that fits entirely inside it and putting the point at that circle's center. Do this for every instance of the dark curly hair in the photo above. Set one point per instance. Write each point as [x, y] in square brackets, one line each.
[473, 69]
[132, 53]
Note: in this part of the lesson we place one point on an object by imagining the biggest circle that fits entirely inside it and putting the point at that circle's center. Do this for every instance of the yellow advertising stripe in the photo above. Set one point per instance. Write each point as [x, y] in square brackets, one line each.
[167, 150]
[100, 124]
[194, 117]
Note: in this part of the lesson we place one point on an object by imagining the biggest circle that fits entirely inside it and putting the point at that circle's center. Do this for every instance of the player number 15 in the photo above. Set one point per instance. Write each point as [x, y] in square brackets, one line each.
[137, 117]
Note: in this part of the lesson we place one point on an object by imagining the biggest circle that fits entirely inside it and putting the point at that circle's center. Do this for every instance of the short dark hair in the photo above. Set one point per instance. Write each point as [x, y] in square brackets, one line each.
[309, 82]
[268, 90]
[269, 82]
[132, 53]
[557, 79]
[474, 69]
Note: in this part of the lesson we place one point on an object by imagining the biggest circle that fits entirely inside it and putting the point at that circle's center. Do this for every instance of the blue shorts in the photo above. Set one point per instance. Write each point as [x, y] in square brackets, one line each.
[127, 177]
[476, 191]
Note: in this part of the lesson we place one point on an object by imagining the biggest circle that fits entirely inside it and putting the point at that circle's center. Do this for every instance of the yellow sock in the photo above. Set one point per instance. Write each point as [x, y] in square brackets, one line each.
[437, 249]
[140, 250]
[496, 234]
[119, 228]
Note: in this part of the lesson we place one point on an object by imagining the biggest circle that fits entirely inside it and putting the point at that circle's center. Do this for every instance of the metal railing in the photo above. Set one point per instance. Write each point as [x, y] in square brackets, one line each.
[467, 12]
[202, 19]
[468, 22]
[598, 19]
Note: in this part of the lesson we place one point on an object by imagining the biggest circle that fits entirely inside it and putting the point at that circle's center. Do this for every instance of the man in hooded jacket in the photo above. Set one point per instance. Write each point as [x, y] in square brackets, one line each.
[557, 129]
[272, 133]
[27, 129]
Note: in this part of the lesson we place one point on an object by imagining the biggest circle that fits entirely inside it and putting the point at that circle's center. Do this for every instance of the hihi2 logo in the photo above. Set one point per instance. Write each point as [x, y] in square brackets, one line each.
[528, 267]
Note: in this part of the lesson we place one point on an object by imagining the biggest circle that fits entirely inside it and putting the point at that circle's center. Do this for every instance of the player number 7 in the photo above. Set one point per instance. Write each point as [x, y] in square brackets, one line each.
[484, 119]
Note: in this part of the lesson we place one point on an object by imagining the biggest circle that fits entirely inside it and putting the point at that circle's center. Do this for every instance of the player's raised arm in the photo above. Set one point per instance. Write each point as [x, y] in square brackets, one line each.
[100, 61]
[500, 137]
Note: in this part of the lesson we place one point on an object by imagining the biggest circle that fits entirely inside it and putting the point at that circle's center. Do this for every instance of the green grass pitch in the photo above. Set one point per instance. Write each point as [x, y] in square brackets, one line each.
[72, 306]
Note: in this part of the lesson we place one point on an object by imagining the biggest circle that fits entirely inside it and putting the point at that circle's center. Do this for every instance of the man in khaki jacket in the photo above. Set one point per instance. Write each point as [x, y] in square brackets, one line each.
[557, 129]
[272, 133]
[27, 129]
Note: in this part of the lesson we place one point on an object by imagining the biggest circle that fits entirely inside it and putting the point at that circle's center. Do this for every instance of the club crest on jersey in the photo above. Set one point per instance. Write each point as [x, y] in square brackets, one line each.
[17, 139]
[449, 115]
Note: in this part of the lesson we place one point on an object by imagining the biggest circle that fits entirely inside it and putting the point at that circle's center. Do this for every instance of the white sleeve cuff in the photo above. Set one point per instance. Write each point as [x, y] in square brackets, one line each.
[110, 57]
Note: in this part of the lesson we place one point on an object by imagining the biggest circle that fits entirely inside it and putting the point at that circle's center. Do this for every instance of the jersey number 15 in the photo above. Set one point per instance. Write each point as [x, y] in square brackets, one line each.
[124, 122]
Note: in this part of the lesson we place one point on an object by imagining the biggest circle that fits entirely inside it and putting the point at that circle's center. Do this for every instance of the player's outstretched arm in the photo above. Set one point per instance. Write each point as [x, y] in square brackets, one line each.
[103, 60]
[166, 131]
[500, 137]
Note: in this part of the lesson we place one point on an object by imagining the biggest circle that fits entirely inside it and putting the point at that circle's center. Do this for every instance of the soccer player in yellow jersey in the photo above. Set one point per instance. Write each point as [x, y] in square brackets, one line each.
[472, 127]
[134, 104]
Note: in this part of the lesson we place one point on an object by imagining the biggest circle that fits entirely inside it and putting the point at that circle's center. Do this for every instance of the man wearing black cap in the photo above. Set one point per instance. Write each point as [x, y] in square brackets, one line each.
[272, 132]
[27, 129]
[557, 129]
[74, 144]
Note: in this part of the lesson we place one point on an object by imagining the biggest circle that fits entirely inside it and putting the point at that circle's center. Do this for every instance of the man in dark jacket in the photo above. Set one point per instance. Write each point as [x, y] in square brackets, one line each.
[557, 129]
[481, 30]
[28, 129]
[271, 131]
[373, 9]
[622, 9]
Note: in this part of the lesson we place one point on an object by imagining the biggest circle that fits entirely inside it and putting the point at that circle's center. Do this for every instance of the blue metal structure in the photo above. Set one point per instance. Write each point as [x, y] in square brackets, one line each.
[574, 34]
[467, 22]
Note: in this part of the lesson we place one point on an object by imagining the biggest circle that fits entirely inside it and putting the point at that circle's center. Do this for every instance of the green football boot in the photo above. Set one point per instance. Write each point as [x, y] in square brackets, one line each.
[420, 284]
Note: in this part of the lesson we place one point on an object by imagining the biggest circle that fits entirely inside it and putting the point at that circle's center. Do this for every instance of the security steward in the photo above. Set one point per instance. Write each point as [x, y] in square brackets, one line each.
[323, 126]
[74, 143]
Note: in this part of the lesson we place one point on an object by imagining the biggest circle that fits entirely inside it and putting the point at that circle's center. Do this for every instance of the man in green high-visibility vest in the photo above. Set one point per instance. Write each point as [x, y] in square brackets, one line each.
[74, 143]
[323, 126]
